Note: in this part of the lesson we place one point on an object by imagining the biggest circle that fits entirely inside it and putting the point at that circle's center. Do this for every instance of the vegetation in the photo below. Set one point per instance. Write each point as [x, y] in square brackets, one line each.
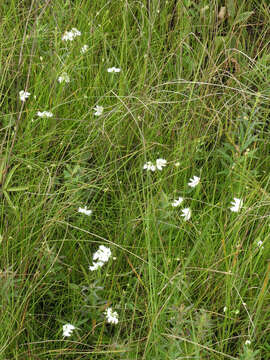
[192, 89]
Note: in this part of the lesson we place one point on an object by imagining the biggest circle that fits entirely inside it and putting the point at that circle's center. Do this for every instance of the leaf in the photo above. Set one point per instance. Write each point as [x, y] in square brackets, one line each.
[8, 200]
[17, 188]
[10, 174]
[241, 18]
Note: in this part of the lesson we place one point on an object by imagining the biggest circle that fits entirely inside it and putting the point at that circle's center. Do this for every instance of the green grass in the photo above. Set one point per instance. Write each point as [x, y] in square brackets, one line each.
[193, 89]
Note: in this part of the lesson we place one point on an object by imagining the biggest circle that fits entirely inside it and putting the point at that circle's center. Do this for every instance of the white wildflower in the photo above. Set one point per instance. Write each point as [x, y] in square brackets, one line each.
[160, 163]
[237, 204]
[85, 211]
[247, 342]
[194, 182]
[149, 166]
[259, 243]
[102, 255]
[113, 70]
[225, 308]
[112, 316]
[177, 164]
[64, 78]
[70, 35]
[24, 95]
[98, 110]
[186, 213]
[44, 114]
[177, 202]
[84, 49]
[67, 329]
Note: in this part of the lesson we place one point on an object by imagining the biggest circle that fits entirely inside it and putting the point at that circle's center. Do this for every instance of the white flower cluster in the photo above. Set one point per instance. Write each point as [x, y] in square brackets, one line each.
[100, 257]
[98, 110]
[24, 95]
[44, 114]
[237, 204]
[84, 49]
[70, 35]
[64, 78]
[67, 329]
[85, 211]
[112, 316]
[113, 70]
[160, 163]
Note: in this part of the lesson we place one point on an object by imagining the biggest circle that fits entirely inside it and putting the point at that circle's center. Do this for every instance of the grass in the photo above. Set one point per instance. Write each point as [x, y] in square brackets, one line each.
[193, 89]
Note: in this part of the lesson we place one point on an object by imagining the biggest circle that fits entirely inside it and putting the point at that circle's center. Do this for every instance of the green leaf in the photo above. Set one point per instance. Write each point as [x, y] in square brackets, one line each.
[17, 188]
[10, 174]
[8, 200]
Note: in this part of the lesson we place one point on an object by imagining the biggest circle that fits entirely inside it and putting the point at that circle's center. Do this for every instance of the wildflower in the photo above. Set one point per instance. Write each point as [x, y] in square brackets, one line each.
[84, 49]
[70, 35]
[99, 110]
[102, 255]
[237, 204]
[112, 316]
[85, 211]
[177, 202]
[259, 243]
[149, 166]
[225, 308]
[113, 70]
[96, 265]
[177, 164]
[67, 329]
[247, 342]
[186, 213]
[194, 182]
[160, 163]
[24, 95]
[44, 114]
[64, 77]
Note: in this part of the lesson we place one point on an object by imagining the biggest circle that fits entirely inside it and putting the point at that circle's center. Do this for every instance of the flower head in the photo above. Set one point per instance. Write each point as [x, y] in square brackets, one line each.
[84, 49]
[237, 204]
[112, 316]
[177, 202]
[44, 114]
[85, 211]
[247, 342]
[149, 166]
[160, 163]
[194, 182]
[64, 78]
[70, 35]
[24, 95]
[67, 329]
[186, 213]
[102, 255]
[113, 70]
[259, 243]
[98, 110]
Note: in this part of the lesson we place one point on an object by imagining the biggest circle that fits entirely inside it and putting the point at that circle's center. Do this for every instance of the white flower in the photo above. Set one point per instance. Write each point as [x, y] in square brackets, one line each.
[24, 95]
[177, 202]
[70, 35]
[113, 70]
[149, 166]
[64, 77]
[259, 243]
[186, 213]
[85, 211]
[84, 49]
[160, 163]
[194, 182]
[98, 110]
[44, 114]
[112, 316]
[225, 308]
[237, 204]
[102, 255]
[96, 265]
[177, 164]
[247, 342]
[67, 329]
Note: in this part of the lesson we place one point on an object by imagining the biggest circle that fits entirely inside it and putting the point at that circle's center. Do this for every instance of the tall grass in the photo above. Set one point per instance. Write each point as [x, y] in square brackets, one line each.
[193, 89]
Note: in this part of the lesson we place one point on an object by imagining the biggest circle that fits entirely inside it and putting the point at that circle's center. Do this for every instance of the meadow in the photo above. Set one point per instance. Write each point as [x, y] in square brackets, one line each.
[135, 187]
